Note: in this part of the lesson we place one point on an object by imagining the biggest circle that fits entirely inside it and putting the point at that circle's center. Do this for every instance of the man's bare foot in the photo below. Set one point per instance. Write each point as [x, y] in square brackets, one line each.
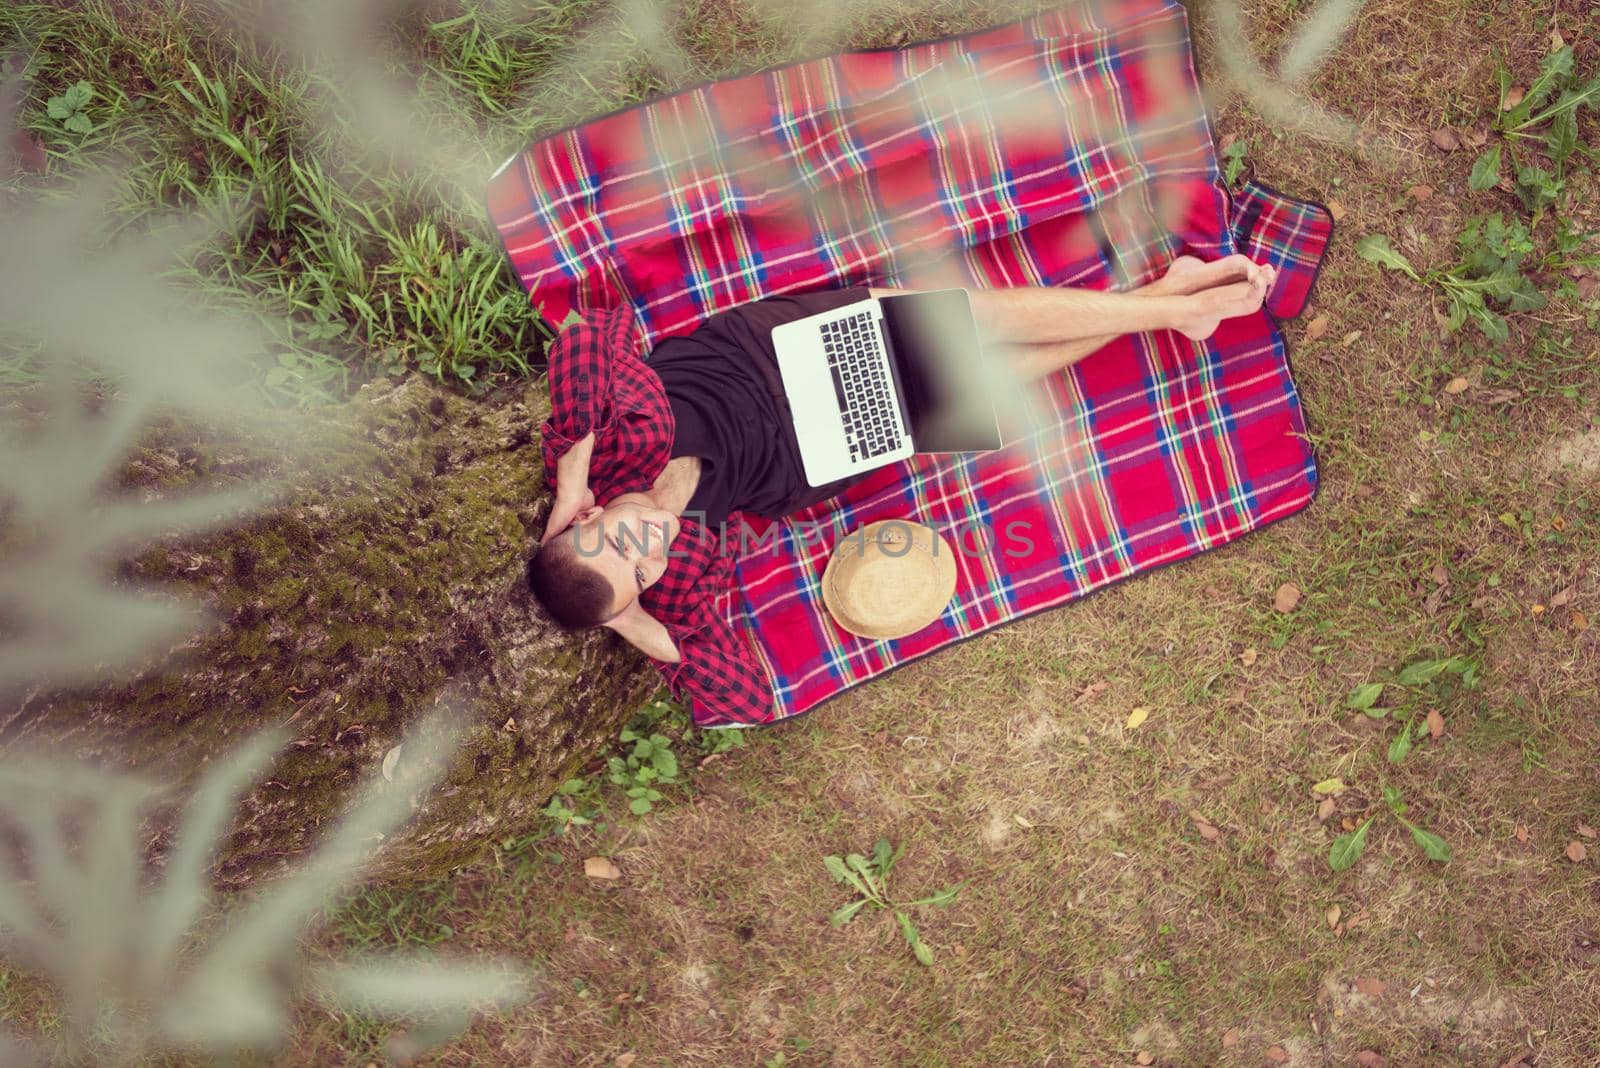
[1190, 274]
[1209, 306]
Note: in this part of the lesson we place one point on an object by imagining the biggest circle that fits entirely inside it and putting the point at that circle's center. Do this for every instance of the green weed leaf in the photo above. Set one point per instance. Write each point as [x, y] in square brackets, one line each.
[1554, 72]
[882, 857]
[1561, 140]
[943, 897]
[840, 870]
[1524, 296]
[1435, 847]
[78, 96]
[1492, 326]
[907, 928]
[1570, 101]
[924, 953]
[1376, 247]
[858, 864]
[1400, 748]
[1421, 672]
[1347, 848]
[1486, 171]
[1366, 695]
[1234, 157]
[846, 913]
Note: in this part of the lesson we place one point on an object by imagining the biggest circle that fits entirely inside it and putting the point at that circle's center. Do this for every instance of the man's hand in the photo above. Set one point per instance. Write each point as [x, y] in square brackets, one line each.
[573, 494]
[564, 511]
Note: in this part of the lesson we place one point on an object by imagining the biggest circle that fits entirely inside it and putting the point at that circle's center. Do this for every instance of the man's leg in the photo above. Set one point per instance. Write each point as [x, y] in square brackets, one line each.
[1049, 327]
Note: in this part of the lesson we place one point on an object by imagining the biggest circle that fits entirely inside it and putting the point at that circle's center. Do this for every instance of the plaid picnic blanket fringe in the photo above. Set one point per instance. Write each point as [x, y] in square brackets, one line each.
[1087, 160]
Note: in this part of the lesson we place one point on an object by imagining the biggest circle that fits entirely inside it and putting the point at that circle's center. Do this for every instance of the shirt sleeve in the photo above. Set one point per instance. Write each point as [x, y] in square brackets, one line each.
[597, 380]
[717, 678]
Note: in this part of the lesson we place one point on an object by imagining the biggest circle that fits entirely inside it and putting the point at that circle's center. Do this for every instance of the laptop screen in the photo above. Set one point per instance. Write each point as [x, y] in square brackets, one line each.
[950, 392]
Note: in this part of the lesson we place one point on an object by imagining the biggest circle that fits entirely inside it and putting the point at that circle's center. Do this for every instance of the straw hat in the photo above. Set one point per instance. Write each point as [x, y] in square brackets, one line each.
[889, 579]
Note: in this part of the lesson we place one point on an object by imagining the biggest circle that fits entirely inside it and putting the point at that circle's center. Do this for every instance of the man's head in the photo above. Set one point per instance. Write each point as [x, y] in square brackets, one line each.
[592, 573]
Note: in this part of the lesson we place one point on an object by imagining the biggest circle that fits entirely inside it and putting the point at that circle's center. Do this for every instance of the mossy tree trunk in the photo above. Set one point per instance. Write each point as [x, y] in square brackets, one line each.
[391, 573]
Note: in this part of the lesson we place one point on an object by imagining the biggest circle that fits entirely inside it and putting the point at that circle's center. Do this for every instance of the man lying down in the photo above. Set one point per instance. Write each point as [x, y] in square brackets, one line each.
[703, 427]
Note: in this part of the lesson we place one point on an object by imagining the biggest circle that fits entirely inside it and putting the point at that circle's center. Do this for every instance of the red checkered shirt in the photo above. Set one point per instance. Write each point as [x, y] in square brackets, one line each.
[599, 382]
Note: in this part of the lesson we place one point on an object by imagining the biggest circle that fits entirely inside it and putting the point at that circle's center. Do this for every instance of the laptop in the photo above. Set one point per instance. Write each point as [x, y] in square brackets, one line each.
[873, 382]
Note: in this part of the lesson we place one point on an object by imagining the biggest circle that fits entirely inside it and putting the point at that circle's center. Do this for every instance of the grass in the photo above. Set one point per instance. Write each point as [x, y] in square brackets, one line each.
[1096, 921]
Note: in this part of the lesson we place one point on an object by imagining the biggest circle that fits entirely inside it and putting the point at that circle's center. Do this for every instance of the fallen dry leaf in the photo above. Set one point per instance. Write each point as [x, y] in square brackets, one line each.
[1277, 1054]
[1248, 657]
[1286, 598]
[1336, 209]
[1326, 808]
[1445, 139]
[1329, 786]
[1203, 825]
[1475, 137]
[1373, 988]
[1456, 385]
[1350, 338]
[1520, 834]
[1230, 1038]
[1561, 597]
[1316, 328]
[1137, 716]
[1514, 97]
[1145, 1057]
[1576, 852]
[1345, 822]
[1435, 723]
[1557, 42]
[1579, 620]
[1333, 914]
[1371, 1059]
[625, 1060]
[391, 760]
[1420, 193]
[1584, 829]
[601, 868]
[1439, 575]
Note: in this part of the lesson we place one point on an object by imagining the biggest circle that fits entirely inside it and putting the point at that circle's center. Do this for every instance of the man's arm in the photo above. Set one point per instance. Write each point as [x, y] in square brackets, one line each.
[573, 494]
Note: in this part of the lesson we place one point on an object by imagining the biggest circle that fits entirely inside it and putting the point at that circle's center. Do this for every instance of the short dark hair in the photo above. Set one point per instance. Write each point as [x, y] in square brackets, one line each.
[577, 597]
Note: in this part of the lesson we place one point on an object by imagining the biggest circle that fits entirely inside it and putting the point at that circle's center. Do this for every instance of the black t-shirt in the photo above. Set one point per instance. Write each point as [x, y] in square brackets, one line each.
[727, 400]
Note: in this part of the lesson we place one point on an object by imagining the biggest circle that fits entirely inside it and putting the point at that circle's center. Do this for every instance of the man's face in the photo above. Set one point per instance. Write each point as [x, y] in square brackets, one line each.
[627, 544]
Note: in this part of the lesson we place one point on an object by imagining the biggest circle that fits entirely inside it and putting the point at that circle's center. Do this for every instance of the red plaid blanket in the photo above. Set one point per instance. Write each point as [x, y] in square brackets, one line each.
[1070, 148]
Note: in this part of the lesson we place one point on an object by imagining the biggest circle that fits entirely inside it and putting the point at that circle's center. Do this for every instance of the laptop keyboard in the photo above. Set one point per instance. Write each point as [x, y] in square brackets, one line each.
[861, 381]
